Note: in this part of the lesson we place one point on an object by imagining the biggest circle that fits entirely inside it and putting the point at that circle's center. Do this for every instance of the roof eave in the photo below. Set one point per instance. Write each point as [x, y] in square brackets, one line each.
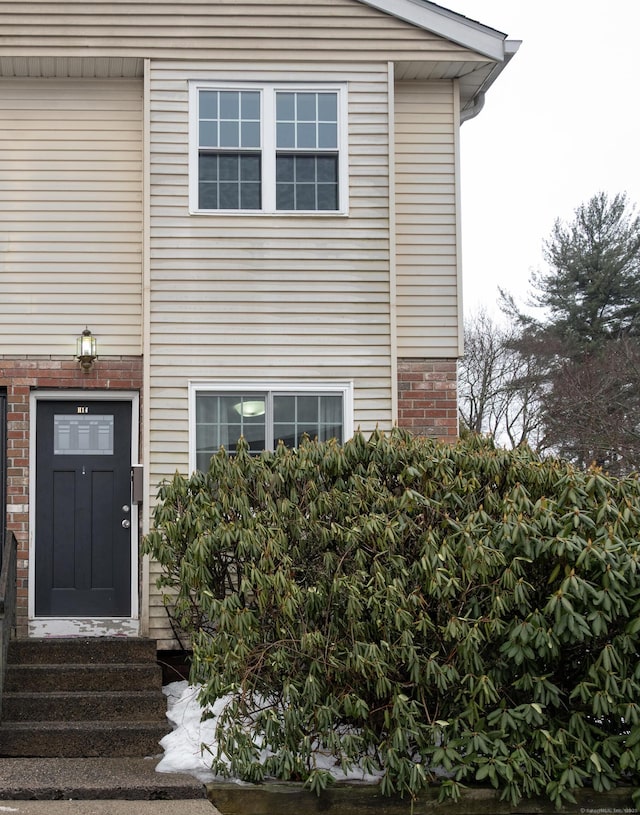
[448, 24]
[475, 103]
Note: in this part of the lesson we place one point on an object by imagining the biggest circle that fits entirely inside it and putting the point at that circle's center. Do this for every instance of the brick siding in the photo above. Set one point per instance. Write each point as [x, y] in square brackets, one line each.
[427, 397]
[20, 377]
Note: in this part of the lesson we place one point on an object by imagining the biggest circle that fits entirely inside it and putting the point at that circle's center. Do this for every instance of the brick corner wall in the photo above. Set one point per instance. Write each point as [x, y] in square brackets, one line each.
[428, 397]
[20, 377]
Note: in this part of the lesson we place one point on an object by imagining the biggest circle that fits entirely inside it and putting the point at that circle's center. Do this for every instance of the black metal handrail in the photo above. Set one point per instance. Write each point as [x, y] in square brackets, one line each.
[7, 599]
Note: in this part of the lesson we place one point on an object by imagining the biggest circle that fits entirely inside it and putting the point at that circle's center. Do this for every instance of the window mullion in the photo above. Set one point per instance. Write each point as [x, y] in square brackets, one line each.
[268, 421]
[343, 152]
[269, 150]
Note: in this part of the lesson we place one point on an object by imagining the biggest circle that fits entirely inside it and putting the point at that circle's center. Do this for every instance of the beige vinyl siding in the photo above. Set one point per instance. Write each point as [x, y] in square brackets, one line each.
[426, 220]
[265, 298]
[70, 215]
[234, 31]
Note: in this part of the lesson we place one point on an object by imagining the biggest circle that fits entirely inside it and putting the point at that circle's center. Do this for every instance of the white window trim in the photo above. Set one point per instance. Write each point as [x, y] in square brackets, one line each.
[268, 150]
[344, 389]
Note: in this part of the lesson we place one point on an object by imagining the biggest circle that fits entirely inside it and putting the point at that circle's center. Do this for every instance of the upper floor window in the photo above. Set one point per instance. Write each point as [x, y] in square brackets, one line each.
[229, 145]
[270, 149]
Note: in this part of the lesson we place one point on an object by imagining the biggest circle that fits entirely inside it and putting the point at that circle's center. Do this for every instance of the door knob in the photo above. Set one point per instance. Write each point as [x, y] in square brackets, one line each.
[126, 523]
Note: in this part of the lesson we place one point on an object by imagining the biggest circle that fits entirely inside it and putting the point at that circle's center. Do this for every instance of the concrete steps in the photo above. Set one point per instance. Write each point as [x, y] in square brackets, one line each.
[88, 705]
[95, 779]
[60, 677]
[82, 697]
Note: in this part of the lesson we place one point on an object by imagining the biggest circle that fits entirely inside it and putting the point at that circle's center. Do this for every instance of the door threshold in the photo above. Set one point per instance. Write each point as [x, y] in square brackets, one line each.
[83, 627]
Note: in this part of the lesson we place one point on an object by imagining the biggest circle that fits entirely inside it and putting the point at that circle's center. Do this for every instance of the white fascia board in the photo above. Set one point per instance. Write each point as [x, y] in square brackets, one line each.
[454, 27]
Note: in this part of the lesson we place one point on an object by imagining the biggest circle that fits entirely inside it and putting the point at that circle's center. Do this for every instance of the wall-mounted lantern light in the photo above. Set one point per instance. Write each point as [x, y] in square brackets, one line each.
[86, 350]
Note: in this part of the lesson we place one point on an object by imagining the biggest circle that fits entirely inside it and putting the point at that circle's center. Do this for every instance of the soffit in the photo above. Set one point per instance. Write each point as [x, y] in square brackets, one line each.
[488, 53]
[71, 67]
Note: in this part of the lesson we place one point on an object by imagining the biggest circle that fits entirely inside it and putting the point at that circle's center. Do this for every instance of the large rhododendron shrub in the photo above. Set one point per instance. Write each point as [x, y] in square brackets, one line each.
[438, 614]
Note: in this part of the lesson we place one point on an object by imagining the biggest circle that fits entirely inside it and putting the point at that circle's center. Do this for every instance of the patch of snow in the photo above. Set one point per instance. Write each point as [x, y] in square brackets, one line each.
[182, 747]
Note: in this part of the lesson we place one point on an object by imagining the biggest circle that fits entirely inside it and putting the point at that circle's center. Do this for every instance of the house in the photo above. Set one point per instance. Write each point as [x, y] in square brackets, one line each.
[253, 209]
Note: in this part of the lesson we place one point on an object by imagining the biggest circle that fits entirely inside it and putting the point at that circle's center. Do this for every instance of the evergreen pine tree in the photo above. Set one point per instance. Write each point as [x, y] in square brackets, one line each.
[587, 338]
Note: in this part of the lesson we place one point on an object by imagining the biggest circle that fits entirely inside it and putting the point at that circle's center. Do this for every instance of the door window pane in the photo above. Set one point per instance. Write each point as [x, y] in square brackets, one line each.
[82, 435]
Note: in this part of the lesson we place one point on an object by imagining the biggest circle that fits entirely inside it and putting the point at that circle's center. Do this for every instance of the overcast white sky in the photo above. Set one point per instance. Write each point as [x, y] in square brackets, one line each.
[561, 123]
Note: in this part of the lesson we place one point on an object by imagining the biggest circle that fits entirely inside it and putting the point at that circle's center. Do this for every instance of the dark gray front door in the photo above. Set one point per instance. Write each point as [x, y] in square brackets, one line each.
[83, 515]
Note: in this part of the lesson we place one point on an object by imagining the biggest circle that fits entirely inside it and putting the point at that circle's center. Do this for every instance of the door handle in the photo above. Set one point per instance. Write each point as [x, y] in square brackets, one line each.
[126, 523]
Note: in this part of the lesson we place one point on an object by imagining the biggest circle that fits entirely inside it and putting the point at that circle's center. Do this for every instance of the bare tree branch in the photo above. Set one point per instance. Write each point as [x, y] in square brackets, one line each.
[498, 393]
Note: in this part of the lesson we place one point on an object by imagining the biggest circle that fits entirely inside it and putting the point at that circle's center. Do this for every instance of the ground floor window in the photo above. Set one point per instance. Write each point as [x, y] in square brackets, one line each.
[265, 416]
